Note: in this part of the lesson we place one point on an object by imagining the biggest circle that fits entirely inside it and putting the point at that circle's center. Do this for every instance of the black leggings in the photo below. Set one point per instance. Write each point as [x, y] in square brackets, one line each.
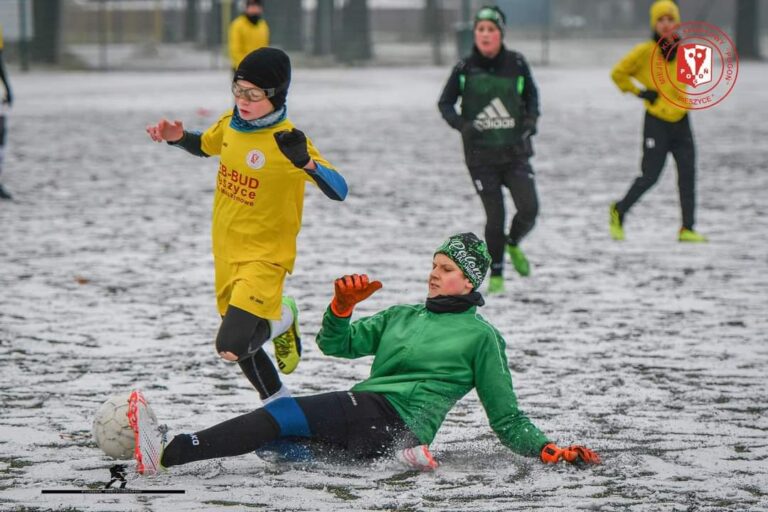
[517, 176]
[2, 140]
[244, 334]
[659, 138]
[357, 424]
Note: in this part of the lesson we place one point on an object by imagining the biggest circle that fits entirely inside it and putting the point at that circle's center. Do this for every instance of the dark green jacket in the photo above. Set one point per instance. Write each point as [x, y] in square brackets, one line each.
[425, 362]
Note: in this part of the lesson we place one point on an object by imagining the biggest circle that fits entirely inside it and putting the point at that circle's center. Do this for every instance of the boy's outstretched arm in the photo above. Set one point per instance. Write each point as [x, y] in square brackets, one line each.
[295, 146]
[338, 336]
[174, 134]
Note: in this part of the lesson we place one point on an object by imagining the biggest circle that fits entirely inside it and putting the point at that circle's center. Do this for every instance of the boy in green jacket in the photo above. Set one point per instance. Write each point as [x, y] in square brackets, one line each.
[426, 358]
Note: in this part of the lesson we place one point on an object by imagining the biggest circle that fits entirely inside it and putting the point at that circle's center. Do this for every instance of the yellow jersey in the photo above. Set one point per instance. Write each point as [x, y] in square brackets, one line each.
[245, 37]
[636, 65]
[259, 198]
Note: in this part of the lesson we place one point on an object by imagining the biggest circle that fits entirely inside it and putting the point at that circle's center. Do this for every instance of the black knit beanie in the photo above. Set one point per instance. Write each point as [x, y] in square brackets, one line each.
[493, 14]
[270, 70]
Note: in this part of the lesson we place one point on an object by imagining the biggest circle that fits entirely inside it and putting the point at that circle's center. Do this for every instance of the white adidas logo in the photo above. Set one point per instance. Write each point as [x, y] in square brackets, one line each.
[494, 117]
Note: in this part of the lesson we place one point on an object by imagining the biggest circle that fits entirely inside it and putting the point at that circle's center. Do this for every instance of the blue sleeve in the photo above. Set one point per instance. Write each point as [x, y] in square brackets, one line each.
[330, 182]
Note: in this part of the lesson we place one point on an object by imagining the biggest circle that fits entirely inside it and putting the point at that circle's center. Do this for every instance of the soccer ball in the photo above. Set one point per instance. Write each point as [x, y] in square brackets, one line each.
[111, 429]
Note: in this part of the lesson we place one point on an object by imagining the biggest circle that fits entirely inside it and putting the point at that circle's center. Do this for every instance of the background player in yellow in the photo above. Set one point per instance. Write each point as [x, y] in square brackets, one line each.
[264, 166]
[7, 100]
[247, 32]
[667, 127]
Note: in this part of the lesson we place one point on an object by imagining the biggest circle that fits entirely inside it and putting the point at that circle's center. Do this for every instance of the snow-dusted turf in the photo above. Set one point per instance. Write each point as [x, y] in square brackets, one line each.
[652, 352]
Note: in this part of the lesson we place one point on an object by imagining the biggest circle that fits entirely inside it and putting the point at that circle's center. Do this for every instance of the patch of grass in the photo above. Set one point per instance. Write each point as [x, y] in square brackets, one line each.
[342, 492]
[14, 463]
[754, 490]
[398, 479]
[396, 508]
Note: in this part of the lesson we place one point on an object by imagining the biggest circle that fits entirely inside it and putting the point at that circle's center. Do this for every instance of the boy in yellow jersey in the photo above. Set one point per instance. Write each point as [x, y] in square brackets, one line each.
[247, 32]
[667, 127]
[7, 100]
[264, 166]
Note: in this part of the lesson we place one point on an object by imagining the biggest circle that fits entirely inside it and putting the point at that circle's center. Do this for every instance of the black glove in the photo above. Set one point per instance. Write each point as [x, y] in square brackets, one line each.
[468, 130]
[529, 127]
[648, 95]
[293, 144]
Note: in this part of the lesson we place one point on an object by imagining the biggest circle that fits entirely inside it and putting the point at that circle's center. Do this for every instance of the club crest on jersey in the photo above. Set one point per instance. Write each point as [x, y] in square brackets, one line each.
[494, 116]
[255, 159]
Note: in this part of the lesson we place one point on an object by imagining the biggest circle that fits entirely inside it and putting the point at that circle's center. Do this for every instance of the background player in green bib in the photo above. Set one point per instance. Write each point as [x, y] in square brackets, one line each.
[7, 100]
[499, 109]
[264, 166]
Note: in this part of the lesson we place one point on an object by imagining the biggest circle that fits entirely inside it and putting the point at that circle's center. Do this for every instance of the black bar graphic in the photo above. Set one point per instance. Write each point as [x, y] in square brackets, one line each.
[112, 491]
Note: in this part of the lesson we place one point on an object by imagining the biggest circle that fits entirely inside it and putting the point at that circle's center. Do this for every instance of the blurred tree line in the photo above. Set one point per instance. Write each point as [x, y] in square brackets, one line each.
[339, 28]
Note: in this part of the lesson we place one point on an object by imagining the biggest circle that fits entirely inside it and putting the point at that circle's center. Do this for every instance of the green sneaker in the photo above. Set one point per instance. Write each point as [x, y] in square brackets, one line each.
[617, 230]
[496, 284]
[288, 345]
[519, 261]
[689, 235]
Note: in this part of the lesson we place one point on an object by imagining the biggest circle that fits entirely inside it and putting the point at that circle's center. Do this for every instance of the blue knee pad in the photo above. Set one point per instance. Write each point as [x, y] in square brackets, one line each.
[289, 417]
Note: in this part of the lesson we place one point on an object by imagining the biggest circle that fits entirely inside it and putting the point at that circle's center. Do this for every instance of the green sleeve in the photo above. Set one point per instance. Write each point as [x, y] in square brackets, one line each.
[494, 387]
[341, 338]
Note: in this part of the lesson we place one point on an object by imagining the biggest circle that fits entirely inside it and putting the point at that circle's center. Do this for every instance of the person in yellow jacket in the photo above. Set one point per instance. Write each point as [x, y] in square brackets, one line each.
[7, 100]
[247, 32]
[667, 127]
[264, 165]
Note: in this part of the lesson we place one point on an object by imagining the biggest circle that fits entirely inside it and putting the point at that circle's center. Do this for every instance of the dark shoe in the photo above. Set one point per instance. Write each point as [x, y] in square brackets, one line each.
[4, 193]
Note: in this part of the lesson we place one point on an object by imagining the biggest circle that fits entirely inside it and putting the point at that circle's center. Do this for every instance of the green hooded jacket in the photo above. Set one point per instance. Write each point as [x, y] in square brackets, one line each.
[425, 362]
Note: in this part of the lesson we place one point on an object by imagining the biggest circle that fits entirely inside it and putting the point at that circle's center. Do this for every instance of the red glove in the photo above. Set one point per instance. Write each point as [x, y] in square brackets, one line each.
[349, 290]
[574, 454]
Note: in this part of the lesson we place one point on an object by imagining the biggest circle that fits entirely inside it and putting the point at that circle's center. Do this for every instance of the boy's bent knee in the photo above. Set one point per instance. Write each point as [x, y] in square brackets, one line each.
[229, 356]
[241, 334]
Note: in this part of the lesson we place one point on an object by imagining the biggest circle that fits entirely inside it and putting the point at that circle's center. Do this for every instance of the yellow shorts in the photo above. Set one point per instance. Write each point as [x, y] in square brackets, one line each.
[253, 286]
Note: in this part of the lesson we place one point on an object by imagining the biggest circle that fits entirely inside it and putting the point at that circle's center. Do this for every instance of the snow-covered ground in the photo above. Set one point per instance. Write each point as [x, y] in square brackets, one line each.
[651, 352]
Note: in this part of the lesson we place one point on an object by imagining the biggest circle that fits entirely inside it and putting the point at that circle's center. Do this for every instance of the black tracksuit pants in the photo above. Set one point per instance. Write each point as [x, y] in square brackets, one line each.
[659, 138]
[517, 176]
[347, 423]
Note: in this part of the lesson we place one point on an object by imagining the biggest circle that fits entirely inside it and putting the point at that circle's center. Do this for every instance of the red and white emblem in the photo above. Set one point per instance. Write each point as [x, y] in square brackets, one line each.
[255, 159]
[694, 64]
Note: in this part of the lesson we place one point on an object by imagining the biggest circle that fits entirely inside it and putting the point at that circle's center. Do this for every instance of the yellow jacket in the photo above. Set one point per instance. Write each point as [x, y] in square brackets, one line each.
[245, 37]
[636, 67]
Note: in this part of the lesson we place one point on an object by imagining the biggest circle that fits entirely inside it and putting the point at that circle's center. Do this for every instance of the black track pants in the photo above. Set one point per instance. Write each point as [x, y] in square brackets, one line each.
[518, 177]
[360, 425]
[659, 138]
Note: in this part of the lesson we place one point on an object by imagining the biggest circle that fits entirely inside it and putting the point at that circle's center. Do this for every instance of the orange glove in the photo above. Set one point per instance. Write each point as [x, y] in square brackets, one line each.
[574, 454]
[349, 290]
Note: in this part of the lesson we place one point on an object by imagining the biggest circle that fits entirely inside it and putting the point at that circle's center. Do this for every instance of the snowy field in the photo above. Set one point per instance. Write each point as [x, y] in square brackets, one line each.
[653, 353]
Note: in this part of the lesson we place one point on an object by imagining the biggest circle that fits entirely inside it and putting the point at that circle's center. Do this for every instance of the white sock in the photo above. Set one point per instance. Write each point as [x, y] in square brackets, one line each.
[278, 327]
[282, 393]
